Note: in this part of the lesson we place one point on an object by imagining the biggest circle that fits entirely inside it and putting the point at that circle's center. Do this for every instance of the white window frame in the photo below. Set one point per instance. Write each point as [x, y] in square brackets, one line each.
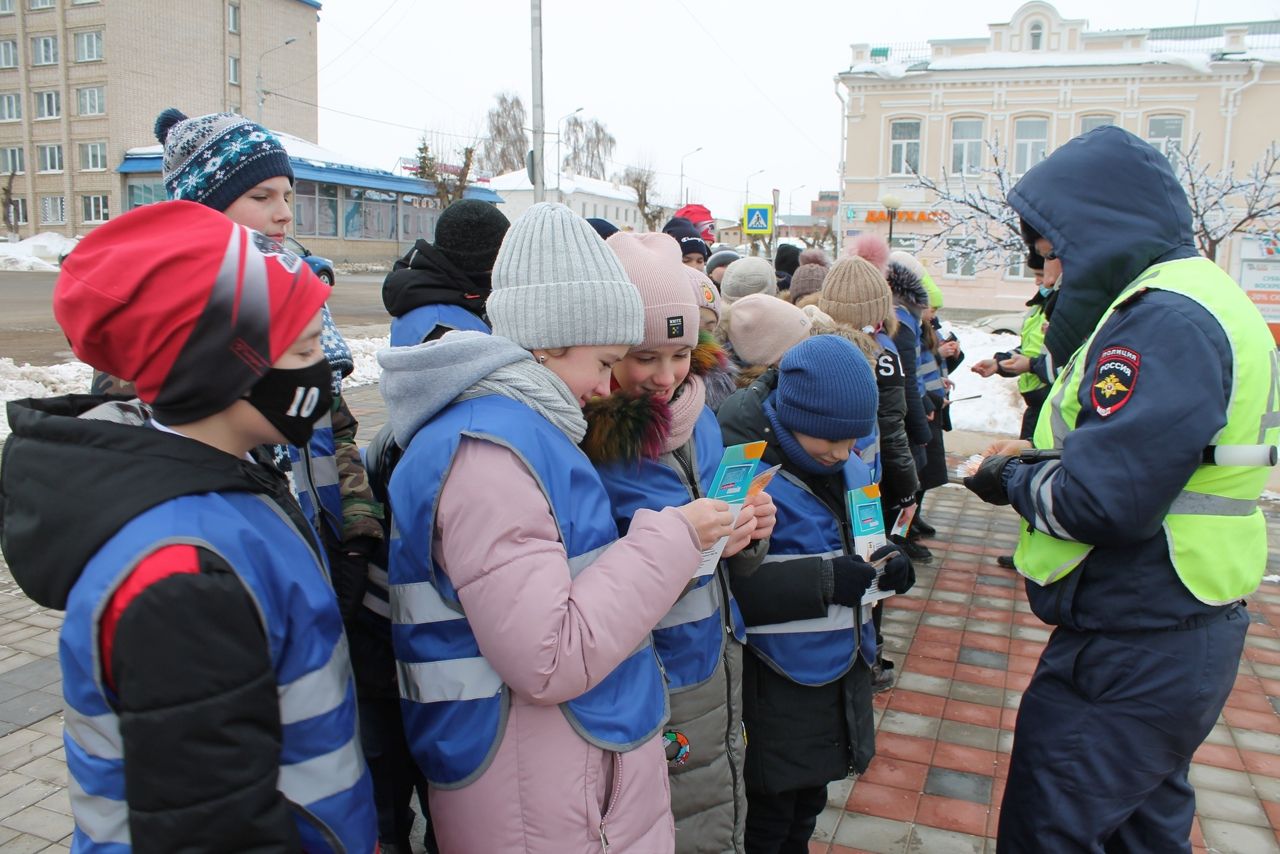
[44, 99]
[1107, 118]
[1025, 149]
[233, 70]
[1035, 36]
[1162, 143]
[6, 7]
[93, 156]
[18, 210]
[44, 50]
[53, 206]
[1016, 269]
[958, 267]
[909, 243]
[9, 53]
[969, 149]
[900, 150]
[233, 18]
[8, 155]
[49, 157]
[36, 5]
[99, 101]
[89, 46]
[10, 107]
[95, 208]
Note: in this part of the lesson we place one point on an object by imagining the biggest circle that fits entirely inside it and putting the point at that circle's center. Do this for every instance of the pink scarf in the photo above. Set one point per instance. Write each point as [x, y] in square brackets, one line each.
[686, 407]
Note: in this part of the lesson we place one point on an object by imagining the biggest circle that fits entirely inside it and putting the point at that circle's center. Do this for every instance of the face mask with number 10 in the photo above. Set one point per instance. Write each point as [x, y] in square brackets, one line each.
[292, 399]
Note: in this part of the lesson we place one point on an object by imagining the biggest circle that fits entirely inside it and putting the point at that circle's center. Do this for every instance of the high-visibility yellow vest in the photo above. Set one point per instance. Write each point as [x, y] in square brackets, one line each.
[1216, 532]
[1032, 344]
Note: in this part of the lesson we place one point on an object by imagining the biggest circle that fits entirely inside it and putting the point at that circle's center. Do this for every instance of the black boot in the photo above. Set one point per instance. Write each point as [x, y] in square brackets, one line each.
[881, 675]
[921, 527]
[1006, 561]
[917, 552]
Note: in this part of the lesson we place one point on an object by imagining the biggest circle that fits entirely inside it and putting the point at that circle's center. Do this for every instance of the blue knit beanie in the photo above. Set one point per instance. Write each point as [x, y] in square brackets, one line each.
[826, 390]
[216, 159]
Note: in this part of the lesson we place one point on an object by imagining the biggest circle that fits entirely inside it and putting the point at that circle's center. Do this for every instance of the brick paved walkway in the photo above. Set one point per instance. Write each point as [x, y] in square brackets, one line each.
[965, 643]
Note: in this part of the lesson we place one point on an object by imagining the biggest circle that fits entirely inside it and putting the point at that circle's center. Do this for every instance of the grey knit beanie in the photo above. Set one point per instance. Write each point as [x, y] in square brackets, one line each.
[748, 276]
[556, 284]
[807, 279]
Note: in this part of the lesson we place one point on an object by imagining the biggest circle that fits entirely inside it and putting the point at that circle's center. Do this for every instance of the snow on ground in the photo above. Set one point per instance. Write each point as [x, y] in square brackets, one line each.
[999, 410]
[22, 381]
[365, 353]
[36, 254]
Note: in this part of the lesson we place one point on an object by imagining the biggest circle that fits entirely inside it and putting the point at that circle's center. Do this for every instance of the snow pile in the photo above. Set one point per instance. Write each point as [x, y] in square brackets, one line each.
[22, 381]
[37, 254]
[999, 410]
[365, 353]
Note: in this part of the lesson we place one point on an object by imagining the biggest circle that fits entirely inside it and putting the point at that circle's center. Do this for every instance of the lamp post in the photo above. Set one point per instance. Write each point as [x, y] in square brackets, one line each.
[262, 95]
[560, 121]
[791, 196]
[683, 200]
[746, 195]
[891, 203]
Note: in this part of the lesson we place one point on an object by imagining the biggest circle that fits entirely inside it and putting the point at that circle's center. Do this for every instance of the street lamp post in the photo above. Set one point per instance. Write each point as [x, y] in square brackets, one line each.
[559, 135]
[683, 200]
[891, 203]
[791, 197]
[746, 195]
[262, 95]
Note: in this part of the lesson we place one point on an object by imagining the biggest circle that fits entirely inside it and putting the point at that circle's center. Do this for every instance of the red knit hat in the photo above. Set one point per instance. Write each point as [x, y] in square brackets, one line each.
[190, 307]
[702, 220]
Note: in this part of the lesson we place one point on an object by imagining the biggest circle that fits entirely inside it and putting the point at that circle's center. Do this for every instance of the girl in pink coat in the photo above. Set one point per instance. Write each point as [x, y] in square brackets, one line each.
[533, 699]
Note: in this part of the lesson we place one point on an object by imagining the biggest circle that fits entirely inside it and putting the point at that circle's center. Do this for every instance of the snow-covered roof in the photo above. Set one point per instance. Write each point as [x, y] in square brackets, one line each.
[569, 184]
[1198, 62]
[296, 146]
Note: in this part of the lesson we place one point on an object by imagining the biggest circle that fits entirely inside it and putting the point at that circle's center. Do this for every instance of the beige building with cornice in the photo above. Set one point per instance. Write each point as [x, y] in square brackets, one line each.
[1033, 83]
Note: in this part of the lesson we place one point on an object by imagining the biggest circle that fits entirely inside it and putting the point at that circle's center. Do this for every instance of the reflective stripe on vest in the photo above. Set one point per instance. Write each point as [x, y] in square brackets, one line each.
[930, 372]
[820, 650]
[913, 323]
[690, 638]
[414, 326]
[315, 480]
[1031, 345]
[456, 705]
[321, 767]
[1219, 503]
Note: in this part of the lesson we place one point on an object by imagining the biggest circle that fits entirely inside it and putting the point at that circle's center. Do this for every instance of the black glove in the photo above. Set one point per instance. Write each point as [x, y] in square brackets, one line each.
[851, 577]
[349, 573]
[988, 483]
[899, 573]
[1000, 369]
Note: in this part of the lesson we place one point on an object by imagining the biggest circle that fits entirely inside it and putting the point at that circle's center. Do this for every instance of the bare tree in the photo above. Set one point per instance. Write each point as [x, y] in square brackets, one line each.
[588, 147]
[506, 143]
[450, 180]
[1222, 204]
[642, 180]
[6, 199]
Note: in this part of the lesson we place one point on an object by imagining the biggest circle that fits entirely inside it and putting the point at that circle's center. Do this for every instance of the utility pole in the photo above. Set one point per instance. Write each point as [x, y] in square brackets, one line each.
[539, 174]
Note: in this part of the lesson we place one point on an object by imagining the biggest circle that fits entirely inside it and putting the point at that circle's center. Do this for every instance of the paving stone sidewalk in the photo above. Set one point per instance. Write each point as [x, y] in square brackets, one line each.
[965, 642]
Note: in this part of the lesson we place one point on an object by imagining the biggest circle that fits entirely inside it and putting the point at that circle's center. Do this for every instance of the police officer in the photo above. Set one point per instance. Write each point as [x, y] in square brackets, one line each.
[1135, 550]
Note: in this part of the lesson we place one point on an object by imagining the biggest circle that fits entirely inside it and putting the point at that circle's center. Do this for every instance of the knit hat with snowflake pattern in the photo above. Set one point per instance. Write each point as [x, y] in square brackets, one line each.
[216, 159]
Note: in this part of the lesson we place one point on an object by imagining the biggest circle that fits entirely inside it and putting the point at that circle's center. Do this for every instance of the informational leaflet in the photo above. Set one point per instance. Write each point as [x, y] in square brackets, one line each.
[868, 535]
[735, 481]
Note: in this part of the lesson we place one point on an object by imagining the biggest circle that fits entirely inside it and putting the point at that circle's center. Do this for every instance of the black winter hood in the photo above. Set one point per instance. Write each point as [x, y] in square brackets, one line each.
[68, 484]
[1111, 206]
[426, 277]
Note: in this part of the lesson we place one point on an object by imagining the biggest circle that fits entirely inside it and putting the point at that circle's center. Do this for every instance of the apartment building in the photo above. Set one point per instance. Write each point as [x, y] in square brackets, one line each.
[1034, 82]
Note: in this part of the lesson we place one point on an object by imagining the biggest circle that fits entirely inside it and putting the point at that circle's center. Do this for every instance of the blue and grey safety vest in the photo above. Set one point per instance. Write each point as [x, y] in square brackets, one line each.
[690, 639]
[315, 478]
[414, 326]
[819, 650]
[913, 323]
[322, 771]
[868, 447]
[929, 372]
[455, 704]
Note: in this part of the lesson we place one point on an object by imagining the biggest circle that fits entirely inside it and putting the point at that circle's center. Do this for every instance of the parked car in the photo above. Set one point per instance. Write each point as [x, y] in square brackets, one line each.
[998, 323]
[322, 267]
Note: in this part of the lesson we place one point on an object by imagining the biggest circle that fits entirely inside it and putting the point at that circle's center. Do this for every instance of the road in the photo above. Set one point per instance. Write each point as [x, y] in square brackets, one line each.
[28, 332]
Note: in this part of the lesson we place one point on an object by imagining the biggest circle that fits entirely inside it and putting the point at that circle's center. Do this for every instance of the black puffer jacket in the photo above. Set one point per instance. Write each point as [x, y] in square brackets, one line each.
[898, 482]
[425, 276]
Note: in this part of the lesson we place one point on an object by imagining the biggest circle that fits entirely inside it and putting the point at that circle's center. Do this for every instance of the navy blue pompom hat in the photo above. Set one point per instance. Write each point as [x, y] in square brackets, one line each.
[216, 159]
[826, 389]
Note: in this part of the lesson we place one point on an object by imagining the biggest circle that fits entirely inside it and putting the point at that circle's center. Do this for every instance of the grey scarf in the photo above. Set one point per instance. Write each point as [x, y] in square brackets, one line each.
[538, 388]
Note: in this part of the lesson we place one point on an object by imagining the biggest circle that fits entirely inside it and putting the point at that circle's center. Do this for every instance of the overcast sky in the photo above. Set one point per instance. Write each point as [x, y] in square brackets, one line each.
[753, 89]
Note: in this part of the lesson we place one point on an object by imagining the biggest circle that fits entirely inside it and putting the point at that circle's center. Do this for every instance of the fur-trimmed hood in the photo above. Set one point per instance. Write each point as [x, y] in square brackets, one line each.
[907, 288]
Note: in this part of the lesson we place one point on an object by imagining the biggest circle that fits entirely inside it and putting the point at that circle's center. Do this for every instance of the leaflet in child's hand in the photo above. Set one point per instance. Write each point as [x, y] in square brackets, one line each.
[735, 481]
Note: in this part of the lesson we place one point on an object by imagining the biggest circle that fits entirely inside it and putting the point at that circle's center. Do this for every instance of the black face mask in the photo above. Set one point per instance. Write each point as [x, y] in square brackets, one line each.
[293, 399]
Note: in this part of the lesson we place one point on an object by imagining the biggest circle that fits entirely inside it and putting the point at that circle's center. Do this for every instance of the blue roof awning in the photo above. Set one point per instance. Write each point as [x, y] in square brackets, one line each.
[141, 164]
[482, 194]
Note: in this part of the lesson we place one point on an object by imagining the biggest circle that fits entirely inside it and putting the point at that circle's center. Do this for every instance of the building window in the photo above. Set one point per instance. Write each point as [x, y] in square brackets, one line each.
[1016, 266]
[144, 194]
[417, 218]
[50, 157]
[42, 4]
[94, 208]
[53, 210]
[1037, 36]
[10, 107]
[9, 54]
[1165, 133]
[962, 262]
[93, 156]
[906, 242]
[233, 18]
[966, 146]
[6, 7]
[233, 70]
[89, 46]
[904, 147]
[315, 209]
[368, 215]
[13, 161]
[44, 50]
[1089, 123]
[18, 212]
[48, 104]
[91, 101]
[84, 2]
[1031, 143]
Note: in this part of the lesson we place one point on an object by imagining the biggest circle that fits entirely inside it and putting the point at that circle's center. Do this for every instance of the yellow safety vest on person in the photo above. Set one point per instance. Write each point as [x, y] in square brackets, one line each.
[1216, 532]
[1032, 344]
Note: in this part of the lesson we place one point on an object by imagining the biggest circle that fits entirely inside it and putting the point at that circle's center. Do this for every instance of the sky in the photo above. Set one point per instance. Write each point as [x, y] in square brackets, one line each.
[748, 82]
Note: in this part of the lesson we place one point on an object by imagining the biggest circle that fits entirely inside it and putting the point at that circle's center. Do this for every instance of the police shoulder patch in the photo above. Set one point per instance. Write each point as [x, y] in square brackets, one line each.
[1114, 379]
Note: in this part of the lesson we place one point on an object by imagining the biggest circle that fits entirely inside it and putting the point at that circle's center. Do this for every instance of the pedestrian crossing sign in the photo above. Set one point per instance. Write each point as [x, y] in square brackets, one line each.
[757, 219]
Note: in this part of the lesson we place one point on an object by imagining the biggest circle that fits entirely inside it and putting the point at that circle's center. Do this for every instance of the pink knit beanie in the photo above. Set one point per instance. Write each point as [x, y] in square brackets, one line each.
[652, 263]
[763, 327]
